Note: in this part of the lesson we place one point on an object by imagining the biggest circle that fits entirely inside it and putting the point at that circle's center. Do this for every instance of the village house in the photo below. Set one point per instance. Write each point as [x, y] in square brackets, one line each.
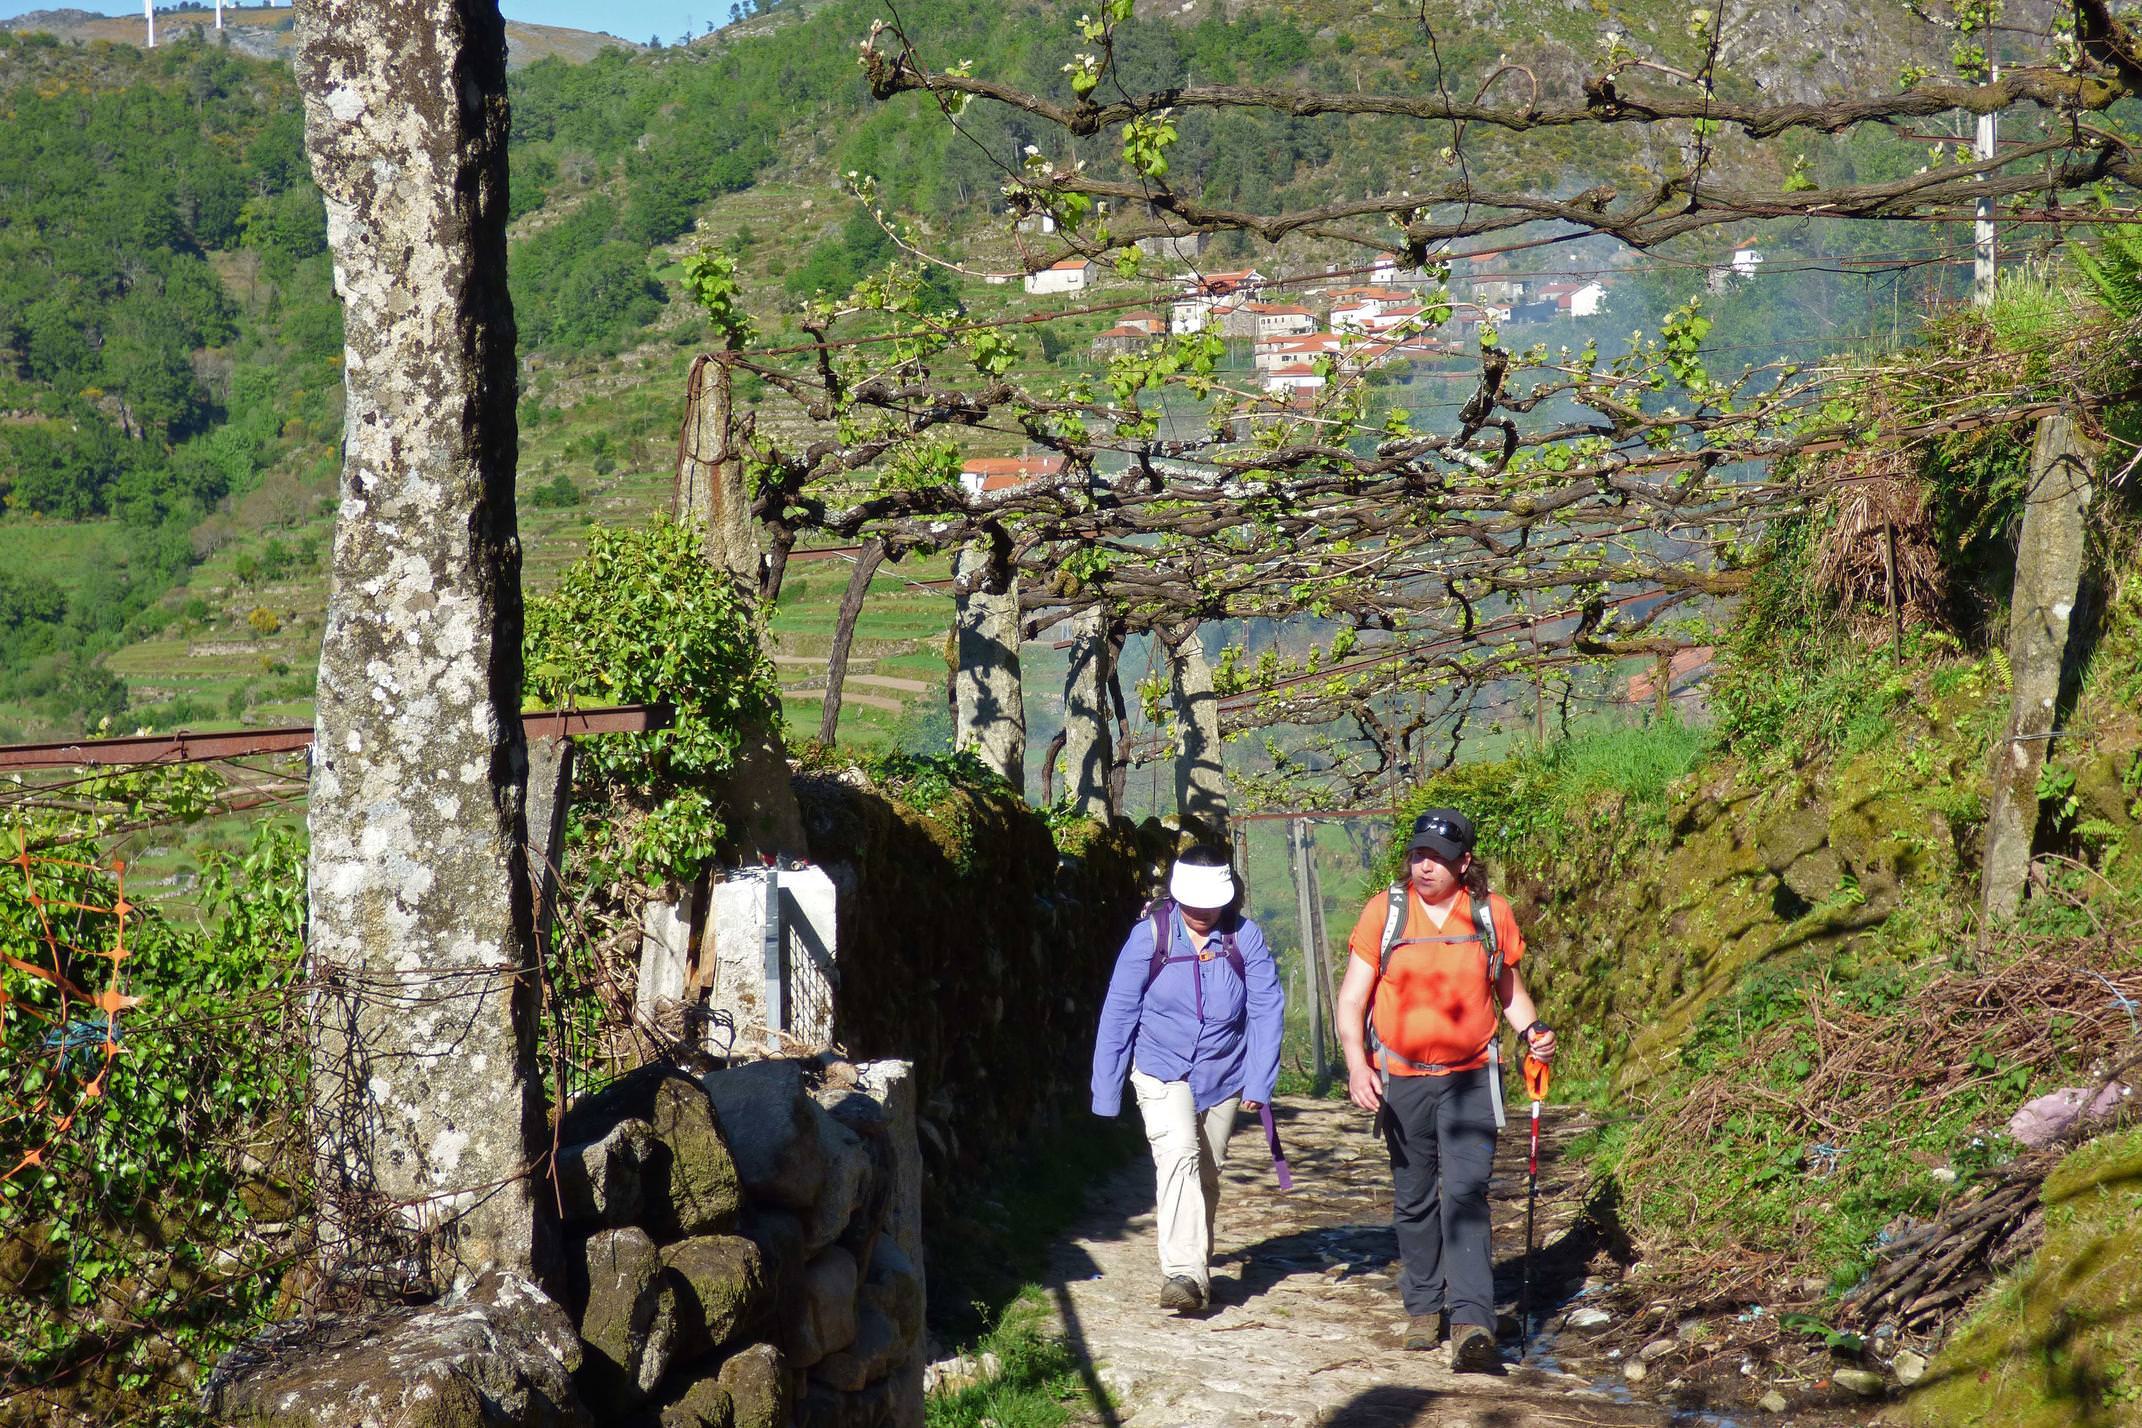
[1745, 261]
[1211, 297]
[993, 475]
[1498, 292]
[1119, 339]
[1574, 299]
[1365, 355]
[1352, 307]
[1173, 247]
[1278, 320]
[1151, 322]
[1407, 317]
[1070, 276]
[1296, 376]
[1270, 352]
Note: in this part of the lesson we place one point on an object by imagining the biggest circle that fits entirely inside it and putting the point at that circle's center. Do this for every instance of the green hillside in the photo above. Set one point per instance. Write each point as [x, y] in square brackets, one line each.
[169, 396]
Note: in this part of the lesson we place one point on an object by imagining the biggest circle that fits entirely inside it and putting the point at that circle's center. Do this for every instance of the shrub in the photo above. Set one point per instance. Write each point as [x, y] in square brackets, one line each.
[641, 618]
[559, 493]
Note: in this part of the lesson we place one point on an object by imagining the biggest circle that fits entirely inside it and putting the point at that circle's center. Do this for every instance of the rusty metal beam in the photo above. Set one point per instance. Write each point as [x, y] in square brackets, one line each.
[1314, 815]
[188, 748]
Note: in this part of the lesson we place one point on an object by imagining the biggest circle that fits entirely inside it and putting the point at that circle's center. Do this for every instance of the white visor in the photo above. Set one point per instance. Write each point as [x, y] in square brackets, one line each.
[1192, 886]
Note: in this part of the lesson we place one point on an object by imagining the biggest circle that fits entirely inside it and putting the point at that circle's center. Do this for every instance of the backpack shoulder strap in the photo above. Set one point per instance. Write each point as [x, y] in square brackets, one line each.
[1233, 953]
[1484, 924]
[1394, 921]
[1162, 915]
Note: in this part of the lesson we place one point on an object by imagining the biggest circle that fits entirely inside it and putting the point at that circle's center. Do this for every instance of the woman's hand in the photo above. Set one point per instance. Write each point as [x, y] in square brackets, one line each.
[1364, 1088]
[1253, 1106]
[1541, 1044]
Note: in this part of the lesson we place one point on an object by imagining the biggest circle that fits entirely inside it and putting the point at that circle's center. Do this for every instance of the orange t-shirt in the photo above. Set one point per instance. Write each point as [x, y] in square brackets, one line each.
[1433, 1006]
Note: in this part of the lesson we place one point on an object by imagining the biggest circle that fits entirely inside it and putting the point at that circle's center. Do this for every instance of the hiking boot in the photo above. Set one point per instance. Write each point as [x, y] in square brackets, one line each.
[1181, 1294]
[1425, 1331]
[1472, 1349]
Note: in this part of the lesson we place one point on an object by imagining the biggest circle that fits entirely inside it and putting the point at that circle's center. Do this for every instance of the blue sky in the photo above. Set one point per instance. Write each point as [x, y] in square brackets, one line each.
[636, 21]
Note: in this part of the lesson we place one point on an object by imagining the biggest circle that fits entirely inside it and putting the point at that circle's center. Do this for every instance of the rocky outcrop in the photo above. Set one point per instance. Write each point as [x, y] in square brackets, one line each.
[502, 1352]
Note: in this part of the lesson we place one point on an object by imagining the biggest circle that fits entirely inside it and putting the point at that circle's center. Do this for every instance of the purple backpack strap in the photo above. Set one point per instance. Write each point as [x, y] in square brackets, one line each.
[1161, 913]
[1271, 1142]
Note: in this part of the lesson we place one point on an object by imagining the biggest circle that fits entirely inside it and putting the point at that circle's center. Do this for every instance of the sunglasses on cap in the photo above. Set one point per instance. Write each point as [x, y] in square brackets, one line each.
[1441, 827]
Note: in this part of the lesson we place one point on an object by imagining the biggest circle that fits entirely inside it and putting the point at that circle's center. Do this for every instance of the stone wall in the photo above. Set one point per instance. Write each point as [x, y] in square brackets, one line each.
[971, 947]
[743, 1250]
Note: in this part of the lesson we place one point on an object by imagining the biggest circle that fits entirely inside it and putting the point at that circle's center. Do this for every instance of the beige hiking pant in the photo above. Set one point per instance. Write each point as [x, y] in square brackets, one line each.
[1187, 1157]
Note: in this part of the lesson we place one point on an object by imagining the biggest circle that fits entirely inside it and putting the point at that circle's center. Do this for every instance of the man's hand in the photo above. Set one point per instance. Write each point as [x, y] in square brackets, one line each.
[1253, 1106]
[1541, 1044]
[1363, 1087]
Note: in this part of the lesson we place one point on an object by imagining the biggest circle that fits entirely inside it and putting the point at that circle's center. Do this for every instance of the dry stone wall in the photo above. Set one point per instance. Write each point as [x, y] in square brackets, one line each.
[975, 949]
[742, 1250]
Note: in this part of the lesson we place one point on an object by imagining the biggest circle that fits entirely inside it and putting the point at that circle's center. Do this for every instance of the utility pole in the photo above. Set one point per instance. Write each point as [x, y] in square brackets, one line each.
[1982, 232]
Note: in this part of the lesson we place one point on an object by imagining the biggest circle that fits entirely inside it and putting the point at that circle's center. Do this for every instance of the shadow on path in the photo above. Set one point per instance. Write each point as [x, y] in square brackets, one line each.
[1075, 1263]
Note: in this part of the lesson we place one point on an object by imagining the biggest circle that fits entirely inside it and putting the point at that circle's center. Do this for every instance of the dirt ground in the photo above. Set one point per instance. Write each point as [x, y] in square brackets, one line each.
[1305, 1322]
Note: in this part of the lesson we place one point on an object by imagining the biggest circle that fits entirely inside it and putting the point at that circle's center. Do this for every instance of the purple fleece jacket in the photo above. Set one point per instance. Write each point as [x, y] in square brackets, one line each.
[1233, 1051]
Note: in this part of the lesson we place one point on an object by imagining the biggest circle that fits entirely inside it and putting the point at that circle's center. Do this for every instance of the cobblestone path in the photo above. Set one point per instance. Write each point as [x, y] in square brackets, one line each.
[1304, 1326]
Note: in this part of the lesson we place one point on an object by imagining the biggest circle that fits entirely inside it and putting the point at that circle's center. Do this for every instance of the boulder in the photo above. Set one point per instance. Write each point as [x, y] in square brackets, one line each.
[502, 1353]
[704, 1405]
[891, 1085]
[895, 1290]
[779, 1236]
[824, 1407]
[757, 1384]
[825, 1320]
[599, 1180]
[630, 1324]
[703, 1190]
[876, 1349]
[852, 1108]
[769, 1124]
[720, 1286]
[1909, 1367]
[690, 1182]
[845, 1186]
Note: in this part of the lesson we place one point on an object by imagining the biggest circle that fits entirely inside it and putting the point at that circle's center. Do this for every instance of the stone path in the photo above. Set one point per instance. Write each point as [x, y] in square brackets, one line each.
[1304, 1326]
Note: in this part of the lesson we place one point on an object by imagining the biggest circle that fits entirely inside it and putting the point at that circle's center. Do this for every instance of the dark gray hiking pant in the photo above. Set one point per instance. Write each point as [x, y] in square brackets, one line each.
[1441, 1135]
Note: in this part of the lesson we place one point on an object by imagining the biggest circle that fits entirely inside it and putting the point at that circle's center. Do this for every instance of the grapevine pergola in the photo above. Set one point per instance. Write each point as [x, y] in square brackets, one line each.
[1573, 509]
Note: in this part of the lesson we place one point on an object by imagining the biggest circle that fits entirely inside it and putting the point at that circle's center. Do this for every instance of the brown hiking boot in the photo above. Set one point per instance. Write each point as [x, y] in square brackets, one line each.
[1425, 1331]
[1180, 1293]
[1472, 1349]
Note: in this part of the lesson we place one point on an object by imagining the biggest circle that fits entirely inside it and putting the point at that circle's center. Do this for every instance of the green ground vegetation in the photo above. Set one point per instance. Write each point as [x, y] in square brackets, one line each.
[2060, 1342]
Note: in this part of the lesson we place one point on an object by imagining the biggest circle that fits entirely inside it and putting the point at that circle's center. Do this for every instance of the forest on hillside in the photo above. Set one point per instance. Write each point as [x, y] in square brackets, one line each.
[168, 332]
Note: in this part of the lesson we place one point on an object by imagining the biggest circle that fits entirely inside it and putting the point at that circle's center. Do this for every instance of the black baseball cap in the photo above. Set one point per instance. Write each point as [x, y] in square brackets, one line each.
[1444, 832]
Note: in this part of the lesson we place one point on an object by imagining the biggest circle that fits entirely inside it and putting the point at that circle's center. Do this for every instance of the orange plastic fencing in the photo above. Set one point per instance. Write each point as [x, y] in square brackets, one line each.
[64, 1036]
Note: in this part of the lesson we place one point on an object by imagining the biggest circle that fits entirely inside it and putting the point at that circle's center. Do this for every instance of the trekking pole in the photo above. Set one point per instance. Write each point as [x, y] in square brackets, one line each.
[1536, 1078]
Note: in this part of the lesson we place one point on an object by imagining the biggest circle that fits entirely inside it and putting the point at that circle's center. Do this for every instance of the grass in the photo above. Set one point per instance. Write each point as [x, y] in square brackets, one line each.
[988, 1253]
[1038, 1385]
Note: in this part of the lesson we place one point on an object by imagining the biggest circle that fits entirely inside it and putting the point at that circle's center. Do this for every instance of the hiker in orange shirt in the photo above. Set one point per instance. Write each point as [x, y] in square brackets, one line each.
[1425, 1060]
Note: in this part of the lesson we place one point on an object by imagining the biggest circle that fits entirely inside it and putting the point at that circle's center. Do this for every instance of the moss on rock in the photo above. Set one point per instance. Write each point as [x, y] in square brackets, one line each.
[2059, 1342]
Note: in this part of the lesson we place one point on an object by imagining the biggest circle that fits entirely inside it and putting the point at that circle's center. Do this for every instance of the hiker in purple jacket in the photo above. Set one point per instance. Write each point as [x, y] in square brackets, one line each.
[1197, 1029]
